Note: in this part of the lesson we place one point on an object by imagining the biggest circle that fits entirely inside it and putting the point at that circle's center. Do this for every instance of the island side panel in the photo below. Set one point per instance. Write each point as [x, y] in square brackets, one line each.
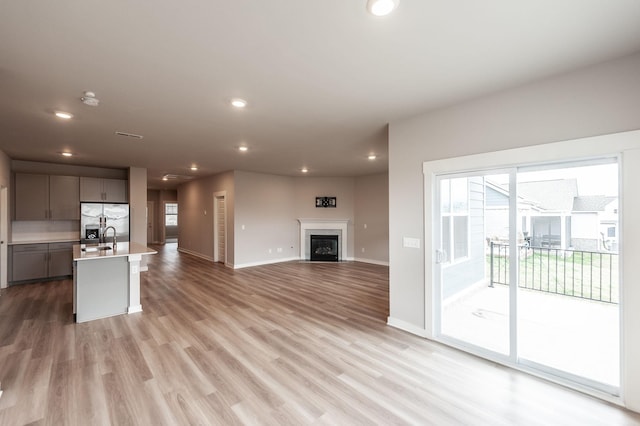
[102, 288]
[134, 283]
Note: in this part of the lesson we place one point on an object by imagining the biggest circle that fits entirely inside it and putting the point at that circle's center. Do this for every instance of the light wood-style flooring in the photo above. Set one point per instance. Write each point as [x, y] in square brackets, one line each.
[286, 344]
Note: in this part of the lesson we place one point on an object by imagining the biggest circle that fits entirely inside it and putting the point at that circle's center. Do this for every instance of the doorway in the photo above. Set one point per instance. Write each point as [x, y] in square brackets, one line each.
[220, 227]
[527, 268]
[170, 222]
[150, 222]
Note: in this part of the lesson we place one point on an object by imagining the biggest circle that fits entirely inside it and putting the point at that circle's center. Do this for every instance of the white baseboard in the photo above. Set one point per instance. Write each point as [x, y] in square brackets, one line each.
[406, 326]
[372, 261]
[195, 253]
[134, 309]
[264, 262]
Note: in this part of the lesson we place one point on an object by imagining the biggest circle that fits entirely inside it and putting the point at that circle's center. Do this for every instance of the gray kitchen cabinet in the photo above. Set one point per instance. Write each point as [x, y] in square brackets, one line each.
[32, 197]
[60, 259]
[64, 197]
[30, 262]
[103, 190]
[44, 197]
[41, 261]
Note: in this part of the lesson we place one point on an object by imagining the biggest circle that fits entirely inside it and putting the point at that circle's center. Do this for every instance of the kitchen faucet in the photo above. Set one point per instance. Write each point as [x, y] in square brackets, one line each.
[104, 235]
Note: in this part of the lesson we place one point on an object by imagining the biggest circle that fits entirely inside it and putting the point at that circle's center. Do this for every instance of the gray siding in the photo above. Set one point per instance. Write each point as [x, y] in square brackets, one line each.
[496, 199]
[461, 275]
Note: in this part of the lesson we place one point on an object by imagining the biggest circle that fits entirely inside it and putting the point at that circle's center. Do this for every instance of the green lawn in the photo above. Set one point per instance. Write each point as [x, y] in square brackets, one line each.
[581, 274]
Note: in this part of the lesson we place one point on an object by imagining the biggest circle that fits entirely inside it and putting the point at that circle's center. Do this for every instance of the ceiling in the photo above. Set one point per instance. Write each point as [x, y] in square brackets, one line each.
[322, 78]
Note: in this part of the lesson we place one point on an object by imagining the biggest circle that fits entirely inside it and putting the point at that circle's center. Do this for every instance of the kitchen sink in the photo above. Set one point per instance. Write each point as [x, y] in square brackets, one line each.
[95, 248]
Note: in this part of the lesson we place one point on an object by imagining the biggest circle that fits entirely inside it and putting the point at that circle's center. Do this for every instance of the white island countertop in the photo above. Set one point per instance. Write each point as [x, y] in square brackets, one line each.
[92, 251]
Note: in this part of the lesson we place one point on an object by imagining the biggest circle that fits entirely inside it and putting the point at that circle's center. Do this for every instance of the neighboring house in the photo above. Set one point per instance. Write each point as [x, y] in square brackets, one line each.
[594, 223]
[552, 214]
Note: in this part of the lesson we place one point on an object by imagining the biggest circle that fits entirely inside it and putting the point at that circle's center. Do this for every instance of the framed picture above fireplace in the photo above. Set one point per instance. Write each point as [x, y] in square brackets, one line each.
[326, 202]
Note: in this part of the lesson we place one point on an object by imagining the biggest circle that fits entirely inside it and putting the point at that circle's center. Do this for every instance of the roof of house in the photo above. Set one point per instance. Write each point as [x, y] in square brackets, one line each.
[592, 203]
[554, 195]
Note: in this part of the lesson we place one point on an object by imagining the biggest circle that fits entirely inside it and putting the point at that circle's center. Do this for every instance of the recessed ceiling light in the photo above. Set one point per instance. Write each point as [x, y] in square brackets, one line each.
[63, 115]
[165, 177]
[66, 154]
[238, 103]
[194, 167]
[243, 148]
[304, 170]
[372, 157]
[381, 7]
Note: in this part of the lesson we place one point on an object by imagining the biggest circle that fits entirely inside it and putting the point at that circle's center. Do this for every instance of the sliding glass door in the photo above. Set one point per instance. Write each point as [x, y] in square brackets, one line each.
[527, 268]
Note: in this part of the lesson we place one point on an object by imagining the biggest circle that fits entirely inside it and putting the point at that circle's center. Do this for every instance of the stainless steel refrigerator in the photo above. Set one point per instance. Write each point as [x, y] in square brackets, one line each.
[96, 217]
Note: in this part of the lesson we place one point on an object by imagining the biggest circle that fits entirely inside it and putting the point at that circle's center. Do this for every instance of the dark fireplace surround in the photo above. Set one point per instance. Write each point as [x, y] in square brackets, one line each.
[324, 248]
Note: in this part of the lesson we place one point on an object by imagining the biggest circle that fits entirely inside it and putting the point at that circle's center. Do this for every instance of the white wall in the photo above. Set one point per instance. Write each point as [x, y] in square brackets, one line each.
[597, 100]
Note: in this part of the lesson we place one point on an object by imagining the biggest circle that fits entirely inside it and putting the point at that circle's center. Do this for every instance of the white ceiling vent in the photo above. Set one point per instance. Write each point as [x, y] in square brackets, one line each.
[129, 135]
[169, 176]
[90, 99]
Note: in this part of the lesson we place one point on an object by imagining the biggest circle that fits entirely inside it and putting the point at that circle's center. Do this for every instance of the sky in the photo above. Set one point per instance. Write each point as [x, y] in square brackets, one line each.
[592, 180]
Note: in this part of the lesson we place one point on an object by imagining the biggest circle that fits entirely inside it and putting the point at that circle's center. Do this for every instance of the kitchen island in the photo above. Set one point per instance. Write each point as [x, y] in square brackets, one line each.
[106, 279]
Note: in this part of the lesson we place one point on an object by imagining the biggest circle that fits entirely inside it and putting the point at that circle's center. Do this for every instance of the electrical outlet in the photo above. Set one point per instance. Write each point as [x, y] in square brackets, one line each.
[279, 250]
[363, 249]
[411, 242]
[270, 250]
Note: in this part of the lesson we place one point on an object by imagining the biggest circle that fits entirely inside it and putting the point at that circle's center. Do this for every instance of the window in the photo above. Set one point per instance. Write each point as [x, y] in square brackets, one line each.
[454, 194]
[171, 214]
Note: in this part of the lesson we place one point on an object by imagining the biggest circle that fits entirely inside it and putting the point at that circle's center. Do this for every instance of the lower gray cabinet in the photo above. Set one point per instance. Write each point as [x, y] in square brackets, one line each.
[60, 259]
[41, 261]
[30, 262]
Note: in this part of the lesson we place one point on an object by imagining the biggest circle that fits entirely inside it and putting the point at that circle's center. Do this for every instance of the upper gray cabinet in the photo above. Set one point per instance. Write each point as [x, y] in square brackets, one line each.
[44, 197]
[103, 190]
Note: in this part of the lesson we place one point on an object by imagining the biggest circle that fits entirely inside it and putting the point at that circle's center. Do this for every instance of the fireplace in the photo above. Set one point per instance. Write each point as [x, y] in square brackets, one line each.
[323, 227]
[324, 248]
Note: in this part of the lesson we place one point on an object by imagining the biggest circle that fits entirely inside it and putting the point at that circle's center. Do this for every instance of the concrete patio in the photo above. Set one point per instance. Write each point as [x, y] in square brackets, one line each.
[566, 333]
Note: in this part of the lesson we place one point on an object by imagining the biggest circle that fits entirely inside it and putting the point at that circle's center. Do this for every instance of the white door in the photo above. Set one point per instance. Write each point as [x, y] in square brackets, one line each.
[512, 288]
[220, 228]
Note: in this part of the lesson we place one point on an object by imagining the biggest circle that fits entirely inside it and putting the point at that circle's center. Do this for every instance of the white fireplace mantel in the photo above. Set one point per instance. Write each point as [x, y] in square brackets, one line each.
[339, 225]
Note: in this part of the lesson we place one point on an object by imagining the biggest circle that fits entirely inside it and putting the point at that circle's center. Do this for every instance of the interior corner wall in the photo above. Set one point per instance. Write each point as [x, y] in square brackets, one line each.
[592, 101]
[195, 213]
[343, 188]
[371, 224]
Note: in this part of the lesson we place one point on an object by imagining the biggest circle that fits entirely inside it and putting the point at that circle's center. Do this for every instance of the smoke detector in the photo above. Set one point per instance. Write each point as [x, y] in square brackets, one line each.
[90, 99]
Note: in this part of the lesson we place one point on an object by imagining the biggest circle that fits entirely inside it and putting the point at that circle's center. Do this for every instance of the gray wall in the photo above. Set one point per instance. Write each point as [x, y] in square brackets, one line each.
[138, 208]
[308, 188]
[268, 207]
[599, 100]
[195, 213]
[372, 209]
[593, 101]
[5, 185]
[265, 206]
